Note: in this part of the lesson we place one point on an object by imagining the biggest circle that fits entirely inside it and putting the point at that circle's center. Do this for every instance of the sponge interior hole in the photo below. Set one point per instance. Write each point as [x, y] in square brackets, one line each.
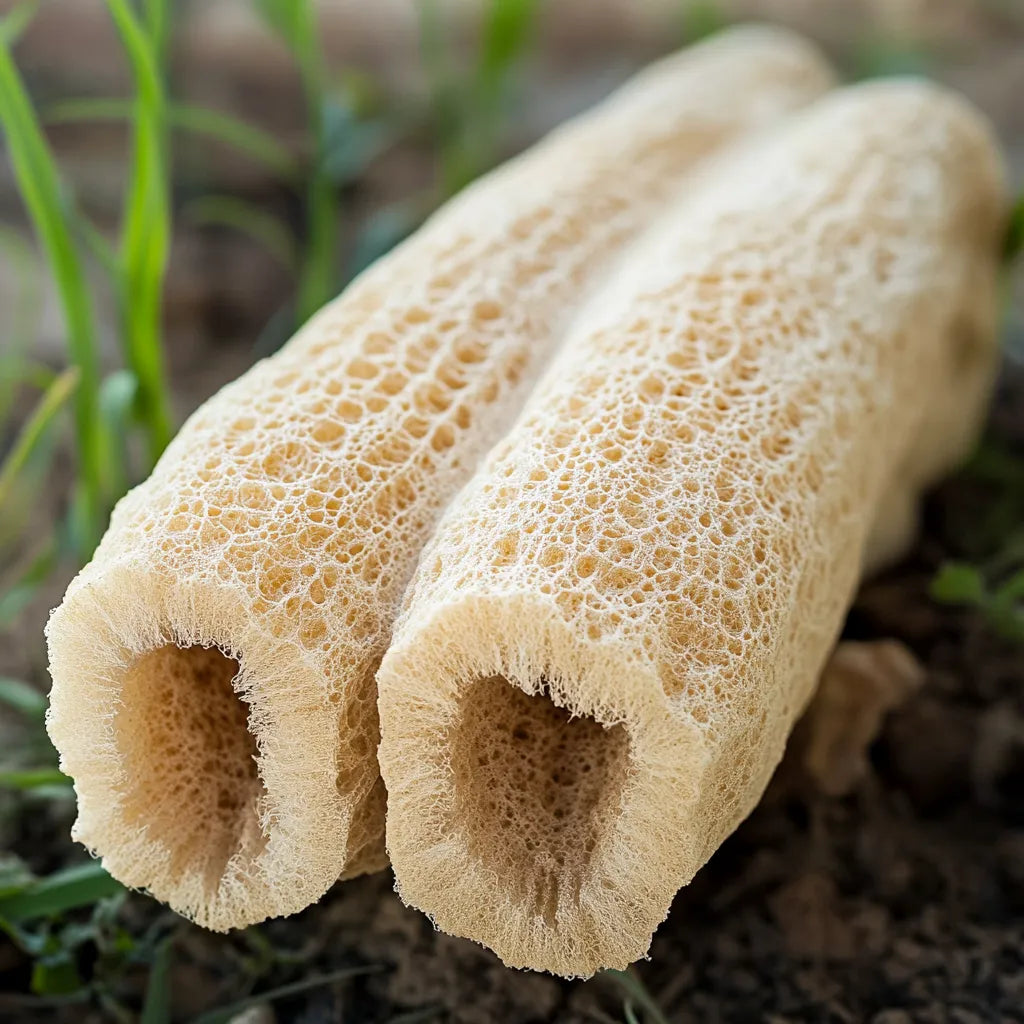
[190, 762]
[536, 790]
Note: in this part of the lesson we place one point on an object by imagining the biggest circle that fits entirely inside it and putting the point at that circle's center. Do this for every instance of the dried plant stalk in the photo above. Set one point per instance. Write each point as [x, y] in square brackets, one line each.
[616, 623]
[213, 666]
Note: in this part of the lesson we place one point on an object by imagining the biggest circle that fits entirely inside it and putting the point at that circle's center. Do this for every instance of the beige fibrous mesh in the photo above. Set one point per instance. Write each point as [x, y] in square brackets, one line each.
[618, 620]
[213, 666]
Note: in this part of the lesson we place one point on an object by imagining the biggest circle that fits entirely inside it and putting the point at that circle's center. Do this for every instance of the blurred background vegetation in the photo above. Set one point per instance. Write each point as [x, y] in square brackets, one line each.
[182, 185]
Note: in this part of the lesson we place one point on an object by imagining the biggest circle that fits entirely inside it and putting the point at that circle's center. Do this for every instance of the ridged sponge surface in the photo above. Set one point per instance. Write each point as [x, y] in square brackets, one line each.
[213, 666]
[617, 621]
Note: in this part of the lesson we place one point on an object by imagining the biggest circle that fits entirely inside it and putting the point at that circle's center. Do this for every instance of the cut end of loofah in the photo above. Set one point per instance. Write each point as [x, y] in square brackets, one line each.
[188, 759]
[542, 817]
[202, 749]
[536, 789]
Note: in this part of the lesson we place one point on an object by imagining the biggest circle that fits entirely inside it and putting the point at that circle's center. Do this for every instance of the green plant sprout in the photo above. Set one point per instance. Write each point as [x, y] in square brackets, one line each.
[39, 184]
[469, 107]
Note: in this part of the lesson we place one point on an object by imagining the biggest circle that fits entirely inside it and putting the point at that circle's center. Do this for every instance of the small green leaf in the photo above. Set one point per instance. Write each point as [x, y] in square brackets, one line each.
[77, 886]
[56, 975]
[957, 583]
[348, 144]
[119, 399]
[118, 394]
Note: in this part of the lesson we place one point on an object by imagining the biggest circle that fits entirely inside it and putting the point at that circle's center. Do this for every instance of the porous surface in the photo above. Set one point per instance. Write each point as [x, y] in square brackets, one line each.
[283, 522]
[666, 542]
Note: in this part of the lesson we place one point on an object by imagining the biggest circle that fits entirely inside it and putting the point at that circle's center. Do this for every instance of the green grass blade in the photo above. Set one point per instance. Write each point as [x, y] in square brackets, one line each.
[14, 368]
[319, 274]
[46, 410]
[157, 1007]
[225, 1013]
[468, 113]
[33, 778]
[261, 146]
[282, 17]
[507, 31]
[38, 182]
[295, 22]
[702, 18]
[32, 372]
[239, 215]
[24, 699]
[78, 886]
[145, 241]
[156, 19]
[254, 142]
[14, 24]
[450, 108]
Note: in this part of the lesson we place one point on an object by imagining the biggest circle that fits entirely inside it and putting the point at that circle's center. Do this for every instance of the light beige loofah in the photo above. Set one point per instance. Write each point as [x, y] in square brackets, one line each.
[213, 666]
[611, 633]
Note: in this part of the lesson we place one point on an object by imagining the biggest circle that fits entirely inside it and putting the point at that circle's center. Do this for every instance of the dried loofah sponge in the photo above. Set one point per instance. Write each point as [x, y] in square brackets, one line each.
[213, 667]
[616, 623]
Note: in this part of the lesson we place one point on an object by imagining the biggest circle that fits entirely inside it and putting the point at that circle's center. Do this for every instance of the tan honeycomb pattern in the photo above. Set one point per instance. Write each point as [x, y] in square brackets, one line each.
[662, 549]
[282, 524]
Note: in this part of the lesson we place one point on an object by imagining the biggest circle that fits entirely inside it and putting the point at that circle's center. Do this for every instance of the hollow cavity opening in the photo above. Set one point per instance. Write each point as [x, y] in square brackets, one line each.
[536, 790]
[189, 759]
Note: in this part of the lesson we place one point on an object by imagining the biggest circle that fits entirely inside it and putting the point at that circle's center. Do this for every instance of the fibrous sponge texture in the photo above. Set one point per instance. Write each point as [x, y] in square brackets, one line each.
[617, 621]
[282, 524]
